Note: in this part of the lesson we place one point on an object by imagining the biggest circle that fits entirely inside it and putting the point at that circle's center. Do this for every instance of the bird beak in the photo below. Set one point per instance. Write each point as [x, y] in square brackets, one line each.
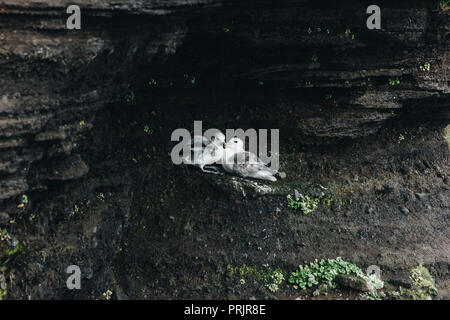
[224, 145]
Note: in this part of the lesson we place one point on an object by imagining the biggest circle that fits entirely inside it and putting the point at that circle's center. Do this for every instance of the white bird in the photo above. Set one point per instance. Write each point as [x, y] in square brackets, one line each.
[243, 163]
[206, 152]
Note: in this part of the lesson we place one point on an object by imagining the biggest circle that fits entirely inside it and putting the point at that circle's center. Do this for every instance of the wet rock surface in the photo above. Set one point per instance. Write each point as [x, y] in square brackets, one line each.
[353, 282]
[102, 192]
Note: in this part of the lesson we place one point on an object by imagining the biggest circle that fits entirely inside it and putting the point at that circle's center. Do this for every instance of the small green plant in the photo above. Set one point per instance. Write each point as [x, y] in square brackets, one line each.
[306, 204]
[394, 81]
[273, 287]
[328, 96]
[107, 294]
[271, 279]
[444, 5]
[324, 272]
[152, 83]
[23, 201]
[425, 67]
[447, 135]
[423, 287]
[188, 228]
[314, 58]
[400, 138]
[129, 97]
[226, 30]
[147, 129]
[9, 252]
[4, 235]
[275, 278]
[372, 295]
[348, 33]
[12, 248]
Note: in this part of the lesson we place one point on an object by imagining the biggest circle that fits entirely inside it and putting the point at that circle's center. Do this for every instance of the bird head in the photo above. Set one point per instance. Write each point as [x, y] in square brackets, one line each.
[218, 138]
[235, 144]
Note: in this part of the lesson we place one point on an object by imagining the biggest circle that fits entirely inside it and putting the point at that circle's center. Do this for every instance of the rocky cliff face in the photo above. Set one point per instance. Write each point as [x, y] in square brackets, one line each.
[361, 115]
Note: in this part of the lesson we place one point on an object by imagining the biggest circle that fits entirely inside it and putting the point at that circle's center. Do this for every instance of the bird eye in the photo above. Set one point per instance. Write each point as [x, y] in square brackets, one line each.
[213, 138]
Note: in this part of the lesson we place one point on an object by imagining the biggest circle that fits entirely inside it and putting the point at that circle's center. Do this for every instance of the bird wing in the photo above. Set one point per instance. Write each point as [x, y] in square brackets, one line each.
[198, 153]
[246, 164]
[255, 160]
[213, 153]
[202, 139]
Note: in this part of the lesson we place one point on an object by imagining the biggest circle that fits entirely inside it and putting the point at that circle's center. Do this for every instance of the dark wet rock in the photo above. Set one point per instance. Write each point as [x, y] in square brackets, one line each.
[393, 295]
[352, 282]
[444, 200]
[420, 166]
[72, 167]
[88, 273]
[422, 196]
[244, 187]
[389, 187]
[404, 210]
[120, 294]
[4, 218]
[405, 169]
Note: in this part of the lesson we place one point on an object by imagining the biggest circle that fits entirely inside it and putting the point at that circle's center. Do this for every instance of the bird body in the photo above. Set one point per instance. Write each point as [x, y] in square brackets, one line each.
[206, 153]
[243, 163]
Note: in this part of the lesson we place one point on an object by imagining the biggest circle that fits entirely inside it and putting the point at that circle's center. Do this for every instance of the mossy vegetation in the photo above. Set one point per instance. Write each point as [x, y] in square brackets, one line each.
[323, 272]
[423, 287]
[444, 5]
[3, 287]
[9, 247]
[315, 196]
[373, 295]
[306, 204]
[447, 135]
[425, 67]
[394, 81]
[270, 278]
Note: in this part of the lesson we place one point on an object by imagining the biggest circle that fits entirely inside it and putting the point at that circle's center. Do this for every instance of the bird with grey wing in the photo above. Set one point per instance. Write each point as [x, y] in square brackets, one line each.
[205, 153]
[243, 163]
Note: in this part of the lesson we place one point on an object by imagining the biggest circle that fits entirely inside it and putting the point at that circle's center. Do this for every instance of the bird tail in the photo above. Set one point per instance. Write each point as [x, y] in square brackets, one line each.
[266, 175]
